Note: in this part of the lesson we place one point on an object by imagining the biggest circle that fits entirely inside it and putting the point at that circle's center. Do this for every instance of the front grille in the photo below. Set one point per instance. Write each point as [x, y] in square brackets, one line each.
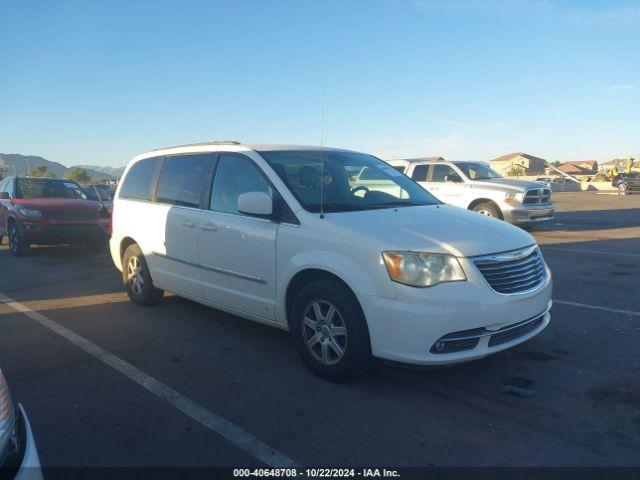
[513, 272]
[538, 195]
[71, 230]
[515, 331]
[71, 216]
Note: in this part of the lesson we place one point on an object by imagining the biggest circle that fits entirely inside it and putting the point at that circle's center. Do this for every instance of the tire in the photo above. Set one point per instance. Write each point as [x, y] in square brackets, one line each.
[138, 284]
[488, 209]
[623, 188]
[345, 329]
[17, 246]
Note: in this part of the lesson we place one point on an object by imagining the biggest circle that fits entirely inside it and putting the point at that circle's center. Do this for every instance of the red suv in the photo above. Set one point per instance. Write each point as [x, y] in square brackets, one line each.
[50, 211]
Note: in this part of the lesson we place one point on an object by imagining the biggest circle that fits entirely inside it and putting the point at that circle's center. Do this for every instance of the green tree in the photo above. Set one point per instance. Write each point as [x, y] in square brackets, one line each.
[78, 175]
[514, 171]
[40, 171]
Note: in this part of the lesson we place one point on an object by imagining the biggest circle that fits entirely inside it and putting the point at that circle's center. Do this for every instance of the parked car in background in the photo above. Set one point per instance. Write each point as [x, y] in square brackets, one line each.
[18, 454]
[50, 211]
[545, 181]
[475, 186]
[100, 192]
[354, 266]
[627, 182]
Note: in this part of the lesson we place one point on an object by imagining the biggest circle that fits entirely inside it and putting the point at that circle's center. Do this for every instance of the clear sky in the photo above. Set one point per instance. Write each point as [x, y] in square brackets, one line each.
[96, 82]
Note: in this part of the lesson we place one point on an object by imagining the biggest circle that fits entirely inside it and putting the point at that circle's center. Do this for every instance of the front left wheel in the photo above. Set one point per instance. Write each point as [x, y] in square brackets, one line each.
[488, 209]
[137, 279]
[17, 245]
[330, 332]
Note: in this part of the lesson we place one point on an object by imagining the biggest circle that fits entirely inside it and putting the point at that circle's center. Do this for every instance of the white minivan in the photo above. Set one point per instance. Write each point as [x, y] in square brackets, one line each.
[350, 256]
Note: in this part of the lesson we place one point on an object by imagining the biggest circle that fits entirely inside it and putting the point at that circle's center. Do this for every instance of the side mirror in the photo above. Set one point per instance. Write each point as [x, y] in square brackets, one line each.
[255, 203]
[4, 196]
[453, 178]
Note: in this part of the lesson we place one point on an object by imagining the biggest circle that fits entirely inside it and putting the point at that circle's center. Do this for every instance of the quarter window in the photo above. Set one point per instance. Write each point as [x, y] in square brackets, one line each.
[235, 175]
[182, 180]
[137, 184]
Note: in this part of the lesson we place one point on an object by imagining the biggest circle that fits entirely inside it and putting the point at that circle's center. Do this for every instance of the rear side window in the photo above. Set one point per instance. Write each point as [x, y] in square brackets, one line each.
[420, 173]
[182, 179]
[137, 184]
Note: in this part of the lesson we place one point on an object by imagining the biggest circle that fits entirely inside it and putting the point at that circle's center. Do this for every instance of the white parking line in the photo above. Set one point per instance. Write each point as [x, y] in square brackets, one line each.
[595, 252]
[228, 430]
[633, 313]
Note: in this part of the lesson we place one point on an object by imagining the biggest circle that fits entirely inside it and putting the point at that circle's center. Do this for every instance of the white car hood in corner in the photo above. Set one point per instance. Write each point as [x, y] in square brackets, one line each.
[437, 228]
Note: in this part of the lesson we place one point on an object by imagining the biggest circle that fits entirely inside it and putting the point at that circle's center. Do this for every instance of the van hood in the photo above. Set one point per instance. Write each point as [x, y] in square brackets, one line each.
[518, 185]
[434, 228]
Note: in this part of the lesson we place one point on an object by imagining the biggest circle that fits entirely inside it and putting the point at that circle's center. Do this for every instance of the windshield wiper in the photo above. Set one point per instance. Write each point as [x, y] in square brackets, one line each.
[398, 204]
[337, 207]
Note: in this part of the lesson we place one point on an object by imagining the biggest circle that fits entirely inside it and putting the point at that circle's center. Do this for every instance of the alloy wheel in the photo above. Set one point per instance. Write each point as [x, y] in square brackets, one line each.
[324, 332]
[134, 275]
[14, 240]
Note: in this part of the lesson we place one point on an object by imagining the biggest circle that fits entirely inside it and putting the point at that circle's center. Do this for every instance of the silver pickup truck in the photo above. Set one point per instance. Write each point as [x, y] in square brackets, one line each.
[475, 186]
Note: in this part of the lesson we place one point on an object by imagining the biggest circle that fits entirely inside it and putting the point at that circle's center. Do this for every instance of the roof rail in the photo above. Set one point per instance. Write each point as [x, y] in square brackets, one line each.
[201, 144]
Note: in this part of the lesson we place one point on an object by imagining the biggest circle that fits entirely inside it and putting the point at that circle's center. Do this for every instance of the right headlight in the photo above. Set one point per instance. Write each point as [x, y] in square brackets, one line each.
[7, 417]
[419, 269]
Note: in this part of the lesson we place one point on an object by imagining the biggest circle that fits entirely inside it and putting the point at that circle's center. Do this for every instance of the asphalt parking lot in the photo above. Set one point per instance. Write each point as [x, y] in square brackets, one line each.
[583, 371]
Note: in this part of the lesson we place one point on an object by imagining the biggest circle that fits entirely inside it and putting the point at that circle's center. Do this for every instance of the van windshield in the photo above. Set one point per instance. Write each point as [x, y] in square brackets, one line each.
[349, 181]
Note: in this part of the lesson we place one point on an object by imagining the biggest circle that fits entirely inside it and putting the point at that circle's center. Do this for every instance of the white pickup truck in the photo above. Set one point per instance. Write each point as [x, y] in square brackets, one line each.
[475, 186]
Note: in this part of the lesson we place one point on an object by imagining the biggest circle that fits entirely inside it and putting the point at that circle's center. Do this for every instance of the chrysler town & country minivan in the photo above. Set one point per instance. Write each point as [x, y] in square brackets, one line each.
[353, 258]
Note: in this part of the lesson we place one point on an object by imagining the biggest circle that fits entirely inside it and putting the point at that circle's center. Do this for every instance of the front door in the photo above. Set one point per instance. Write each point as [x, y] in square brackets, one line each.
[237, 251]
[446, 185]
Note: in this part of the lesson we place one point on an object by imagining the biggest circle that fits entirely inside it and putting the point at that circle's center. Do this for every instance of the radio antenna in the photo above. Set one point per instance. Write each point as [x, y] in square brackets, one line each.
[322, 155]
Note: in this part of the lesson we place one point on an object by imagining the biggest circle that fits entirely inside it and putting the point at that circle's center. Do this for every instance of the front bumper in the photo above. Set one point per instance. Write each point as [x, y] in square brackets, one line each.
[51, 233]
[406, 329]
[25, 463]
[527, 214]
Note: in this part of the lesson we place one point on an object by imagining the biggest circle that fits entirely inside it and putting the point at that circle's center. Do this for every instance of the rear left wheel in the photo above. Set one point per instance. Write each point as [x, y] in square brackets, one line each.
[137, 279]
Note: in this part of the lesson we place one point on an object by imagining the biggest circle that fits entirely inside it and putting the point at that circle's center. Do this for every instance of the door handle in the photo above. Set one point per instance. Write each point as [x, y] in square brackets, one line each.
[187, 223]
[209, 227]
